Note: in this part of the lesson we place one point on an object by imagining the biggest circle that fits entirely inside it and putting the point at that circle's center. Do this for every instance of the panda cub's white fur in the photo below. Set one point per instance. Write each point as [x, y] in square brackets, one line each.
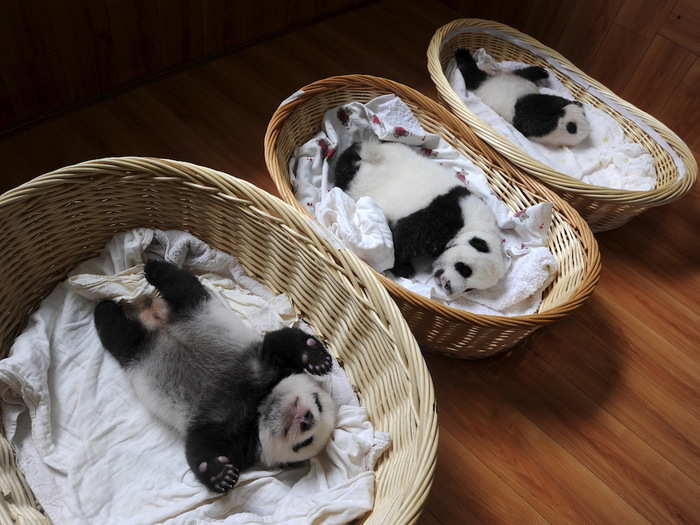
[500, 93]
[548, 119]
[406, 185]
[400, 180]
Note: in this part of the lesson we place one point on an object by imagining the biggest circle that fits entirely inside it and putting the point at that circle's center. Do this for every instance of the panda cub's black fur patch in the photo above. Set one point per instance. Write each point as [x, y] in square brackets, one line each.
[537, 114]
[480, 245]
[427, 231]
[463, 269]
[347, 165]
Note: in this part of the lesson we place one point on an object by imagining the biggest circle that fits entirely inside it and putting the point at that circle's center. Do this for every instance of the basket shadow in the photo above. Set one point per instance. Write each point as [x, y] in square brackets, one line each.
[662, 240]
[561, 375]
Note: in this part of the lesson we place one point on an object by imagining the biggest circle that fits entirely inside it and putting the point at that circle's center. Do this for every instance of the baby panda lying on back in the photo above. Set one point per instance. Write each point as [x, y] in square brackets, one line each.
[237, 397]
[430, 213]
[547, 119]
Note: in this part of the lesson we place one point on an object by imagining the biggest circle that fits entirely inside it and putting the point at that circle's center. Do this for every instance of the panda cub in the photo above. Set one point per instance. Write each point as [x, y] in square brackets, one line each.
[238, 398]
[430, 213]
[547, 119]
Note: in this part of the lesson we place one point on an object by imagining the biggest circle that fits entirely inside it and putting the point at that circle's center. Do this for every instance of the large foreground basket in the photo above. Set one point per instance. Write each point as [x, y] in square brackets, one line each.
[603, 208]
[57, 220]
[437, 327]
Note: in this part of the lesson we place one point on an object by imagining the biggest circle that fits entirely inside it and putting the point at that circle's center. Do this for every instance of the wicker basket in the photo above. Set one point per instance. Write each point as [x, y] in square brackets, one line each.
[437, 327]
[59, 219]
[603, 208]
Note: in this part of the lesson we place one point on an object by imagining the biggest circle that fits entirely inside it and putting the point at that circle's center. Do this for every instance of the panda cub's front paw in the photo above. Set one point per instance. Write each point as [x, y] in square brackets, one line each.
[316, 358]
[217, 474]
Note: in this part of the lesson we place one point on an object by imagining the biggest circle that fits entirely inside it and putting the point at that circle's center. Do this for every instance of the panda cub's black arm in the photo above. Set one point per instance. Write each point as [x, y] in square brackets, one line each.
[294, 351]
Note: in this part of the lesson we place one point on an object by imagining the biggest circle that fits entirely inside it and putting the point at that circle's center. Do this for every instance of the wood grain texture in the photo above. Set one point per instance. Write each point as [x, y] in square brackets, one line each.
[56, 54]
[594, 420]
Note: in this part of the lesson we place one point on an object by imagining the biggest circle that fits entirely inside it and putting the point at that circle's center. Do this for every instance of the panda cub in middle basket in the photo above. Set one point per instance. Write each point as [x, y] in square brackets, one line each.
[430, 213]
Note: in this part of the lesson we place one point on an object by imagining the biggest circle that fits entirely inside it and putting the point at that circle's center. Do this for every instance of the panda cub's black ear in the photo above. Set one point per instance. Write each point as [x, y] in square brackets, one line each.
[479, 244]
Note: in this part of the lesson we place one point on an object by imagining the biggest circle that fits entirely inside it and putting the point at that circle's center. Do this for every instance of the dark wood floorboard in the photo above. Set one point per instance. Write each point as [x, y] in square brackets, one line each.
[594, 420]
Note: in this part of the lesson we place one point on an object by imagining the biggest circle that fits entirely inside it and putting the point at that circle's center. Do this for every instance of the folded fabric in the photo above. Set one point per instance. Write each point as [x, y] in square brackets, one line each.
[361, 226]
[91, 451]
[607, 158]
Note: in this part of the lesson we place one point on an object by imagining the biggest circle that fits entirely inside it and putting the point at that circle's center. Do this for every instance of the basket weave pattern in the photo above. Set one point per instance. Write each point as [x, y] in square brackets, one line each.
[57, 220]
[437, 327]
[603, 208]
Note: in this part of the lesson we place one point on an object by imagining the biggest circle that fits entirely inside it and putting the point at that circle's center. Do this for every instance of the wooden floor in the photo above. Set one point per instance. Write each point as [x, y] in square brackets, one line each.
[594, 420]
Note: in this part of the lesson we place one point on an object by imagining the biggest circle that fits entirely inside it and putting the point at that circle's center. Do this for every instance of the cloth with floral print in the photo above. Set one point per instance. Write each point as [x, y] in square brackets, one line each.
[361, 227]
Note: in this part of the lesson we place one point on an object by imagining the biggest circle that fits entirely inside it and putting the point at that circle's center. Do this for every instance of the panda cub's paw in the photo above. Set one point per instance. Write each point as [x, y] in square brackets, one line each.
[218, 474]
[316, 358]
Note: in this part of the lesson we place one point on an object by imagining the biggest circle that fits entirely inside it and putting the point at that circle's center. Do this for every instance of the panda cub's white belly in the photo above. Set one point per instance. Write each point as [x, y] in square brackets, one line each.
[171, 410]
[400, 180]
[501, 92]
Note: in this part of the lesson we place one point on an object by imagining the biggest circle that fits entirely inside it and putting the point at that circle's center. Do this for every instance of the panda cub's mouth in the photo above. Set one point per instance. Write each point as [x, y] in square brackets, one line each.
[299, 419]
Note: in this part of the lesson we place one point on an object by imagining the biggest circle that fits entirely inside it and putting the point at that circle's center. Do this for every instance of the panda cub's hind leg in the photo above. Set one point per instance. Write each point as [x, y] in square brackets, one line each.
[122, 335]
[180, 288]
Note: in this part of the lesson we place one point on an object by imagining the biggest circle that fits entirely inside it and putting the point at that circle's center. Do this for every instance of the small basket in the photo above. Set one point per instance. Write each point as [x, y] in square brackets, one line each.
[603, 208]
[59, 219]
[437, 327]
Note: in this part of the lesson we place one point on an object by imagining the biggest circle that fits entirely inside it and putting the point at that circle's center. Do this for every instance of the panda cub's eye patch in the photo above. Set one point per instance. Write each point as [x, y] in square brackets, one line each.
[480, 245]
[464, 270]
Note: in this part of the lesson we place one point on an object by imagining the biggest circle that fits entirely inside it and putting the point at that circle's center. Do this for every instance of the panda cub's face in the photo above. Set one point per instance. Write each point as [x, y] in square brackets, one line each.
[572, 128]
[295, 421]
[476, 262]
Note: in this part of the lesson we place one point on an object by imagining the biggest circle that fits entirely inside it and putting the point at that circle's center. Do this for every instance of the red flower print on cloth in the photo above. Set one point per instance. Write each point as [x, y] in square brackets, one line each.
[400, 132]
[522, 215]
[375, 120]
[326, 151]
[343, 116]
[461, 176]
[426, 151]
[323, 144]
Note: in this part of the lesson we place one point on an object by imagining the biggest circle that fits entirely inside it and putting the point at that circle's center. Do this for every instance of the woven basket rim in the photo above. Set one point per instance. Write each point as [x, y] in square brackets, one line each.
[415, 491]
[658, 196]
[283, 185]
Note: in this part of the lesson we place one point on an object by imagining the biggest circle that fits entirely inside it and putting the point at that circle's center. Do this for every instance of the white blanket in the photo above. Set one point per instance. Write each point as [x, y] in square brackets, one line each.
[362, 227]
[93, 454]
[607, 158]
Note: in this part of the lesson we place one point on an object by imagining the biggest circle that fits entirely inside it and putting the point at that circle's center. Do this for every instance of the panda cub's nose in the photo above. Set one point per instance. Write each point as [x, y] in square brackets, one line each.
[571, 127]
[307, 422]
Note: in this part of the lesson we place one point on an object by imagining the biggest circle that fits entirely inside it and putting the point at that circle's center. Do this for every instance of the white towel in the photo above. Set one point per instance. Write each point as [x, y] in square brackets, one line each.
[525, 233]
[94, 454]
[360, 225]
[607, 158]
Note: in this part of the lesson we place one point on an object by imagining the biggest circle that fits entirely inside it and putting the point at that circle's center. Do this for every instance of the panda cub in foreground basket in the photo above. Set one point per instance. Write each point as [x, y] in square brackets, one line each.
[237, 397]
[547, 119]
[430, 213]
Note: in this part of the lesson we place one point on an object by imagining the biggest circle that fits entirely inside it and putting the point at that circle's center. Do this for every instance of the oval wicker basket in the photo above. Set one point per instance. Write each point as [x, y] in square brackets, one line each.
[61, 218]
[603, 208]
[437, 327]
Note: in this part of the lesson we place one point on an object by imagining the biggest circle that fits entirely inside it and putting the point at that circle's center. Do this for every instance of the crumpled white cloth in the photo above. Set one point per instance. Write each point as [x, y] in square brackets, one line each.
[91, 451]
[607, 158]
[525, 233]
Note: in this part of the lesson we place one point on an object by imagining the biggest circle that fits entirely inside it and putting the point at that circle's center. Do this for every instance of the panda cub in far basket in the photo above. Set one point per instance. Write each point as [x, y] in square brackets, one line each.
[237, 397]
[547, 119]
[430, 213]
